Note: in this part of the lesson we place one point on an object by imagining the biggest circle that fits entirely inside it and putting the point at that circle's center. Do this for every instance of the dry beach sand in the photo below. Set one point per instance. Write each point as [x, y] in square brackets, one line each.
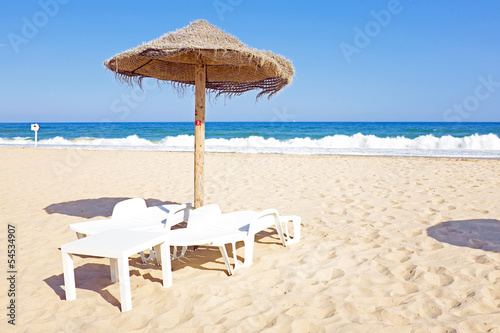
[388, 244]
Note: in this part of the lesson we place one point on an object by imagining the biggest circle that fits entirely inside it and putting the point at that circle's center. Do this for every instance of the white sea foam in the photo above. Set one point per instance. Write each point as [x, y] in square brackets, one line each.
[484, 146]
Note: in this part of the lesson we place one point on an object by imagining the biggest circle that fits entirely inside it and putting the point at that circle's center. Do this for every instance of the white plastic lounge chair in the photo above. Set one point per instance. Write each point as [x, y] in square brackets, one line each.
[207, 226]
[133, 214]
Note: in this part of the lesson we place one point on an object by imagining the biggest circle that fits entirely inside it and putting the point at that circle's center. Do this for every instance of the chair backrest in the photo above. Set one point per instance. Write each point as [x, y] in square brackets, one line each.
[128, 208]
[203, 215]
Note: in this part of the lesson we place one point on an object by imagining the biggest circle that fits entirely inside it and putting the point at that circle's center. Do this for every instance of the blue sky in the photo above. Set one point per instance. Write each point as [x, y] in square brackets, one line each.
[354, 60]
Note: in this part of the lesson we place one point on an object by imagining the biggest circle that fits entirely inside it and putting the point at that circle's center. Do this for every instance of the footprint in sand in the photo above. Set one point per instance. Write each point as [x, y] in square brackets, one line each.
[430, 309]
[311, 312]
[327, 274]
[406, 272]
[403, 288]
[477, 244]
[430, 245]
[280, 289]
[350, 261]
[481, 211]
[398, 255]
[382, 269]
[412, 232]
[387, 316]
[438, 276]
[451, 230]
[494, 277]
[483, 259]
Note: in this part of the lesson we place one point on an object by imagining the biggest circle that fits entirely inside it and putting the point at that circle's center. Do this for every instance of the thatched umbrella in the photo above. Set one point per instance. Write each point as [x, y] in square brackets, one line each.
[207, 57]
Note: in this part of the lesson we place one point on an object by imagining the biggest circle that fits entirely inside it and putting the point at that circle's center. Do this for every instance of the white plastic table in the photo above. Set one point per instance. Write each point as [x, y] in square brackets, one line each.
[118, 245]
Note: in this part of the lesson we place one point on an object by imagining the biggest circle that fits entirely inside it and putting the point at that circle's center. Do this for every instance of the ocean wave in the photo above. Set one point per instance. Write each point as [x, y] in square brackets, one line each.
[487, 145]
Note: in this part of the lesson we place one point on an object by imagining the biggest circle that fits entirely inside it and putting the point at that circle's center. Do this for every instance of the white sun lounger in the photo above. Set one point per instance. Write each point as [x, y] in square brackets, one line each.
[133, 214]
[207, 226]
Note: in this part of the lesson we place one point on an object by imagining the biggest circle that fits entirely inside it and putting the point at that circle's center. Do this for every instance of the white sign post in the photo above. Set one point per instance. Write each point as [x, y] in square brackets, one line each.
[35, 127]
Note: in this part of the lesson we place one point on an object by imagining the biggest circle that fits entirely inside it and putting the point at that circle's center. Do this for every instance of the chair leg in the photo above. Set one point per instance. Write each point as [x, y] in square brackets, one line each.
[182, 255]
[166, 267]
[277, 224]
[143, 257]
[235, 256]
[69, 276]
[113, 268]
[152, 254]
[225, 257]
[296, 222]
[174, 253]
[159, 254]
[296, 228]
[124, 277]
[183, 252]
[249, 244]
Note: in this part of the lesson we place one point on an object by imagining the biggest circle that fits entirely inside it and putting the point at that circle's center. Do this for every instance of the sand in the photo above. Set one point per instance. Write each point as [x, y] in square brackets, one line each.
[388, 244]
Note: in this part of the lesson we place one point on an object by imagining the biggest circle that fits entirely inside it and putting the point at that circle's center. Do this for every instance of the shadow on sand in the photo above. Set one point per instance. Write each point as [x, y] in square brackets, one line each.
[481, 234]
[90, 208]
[96, 277]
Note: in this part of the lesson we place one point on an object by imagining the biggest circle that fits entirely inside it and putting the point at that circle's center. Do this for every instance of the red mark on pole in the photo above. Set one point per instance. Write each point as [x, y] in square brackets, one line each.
[197, 123]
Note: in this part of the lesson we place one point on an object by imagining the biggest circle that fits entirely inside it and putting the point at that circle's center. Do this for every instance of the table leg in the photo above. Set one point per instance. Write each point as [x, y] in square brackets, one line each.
[124, 277]
[69, 276]
[166, 266]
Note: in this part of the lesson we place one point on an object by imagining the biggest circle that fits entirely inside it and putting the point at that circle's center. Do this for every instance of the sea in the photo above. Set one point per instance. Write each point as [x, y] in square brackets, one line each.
[406, 139]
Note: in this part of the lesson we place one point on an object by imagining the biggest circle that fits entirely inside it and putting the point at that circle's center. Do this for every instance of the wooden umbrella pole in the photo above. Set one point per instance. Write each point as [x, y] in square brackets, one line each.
[199, 133]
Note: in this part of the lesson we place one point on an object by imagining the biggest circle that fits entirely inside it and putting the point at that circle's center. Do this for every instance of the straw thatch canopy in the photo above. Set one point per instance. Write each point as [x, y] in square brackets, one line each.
[206, 57]
[232, 67]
